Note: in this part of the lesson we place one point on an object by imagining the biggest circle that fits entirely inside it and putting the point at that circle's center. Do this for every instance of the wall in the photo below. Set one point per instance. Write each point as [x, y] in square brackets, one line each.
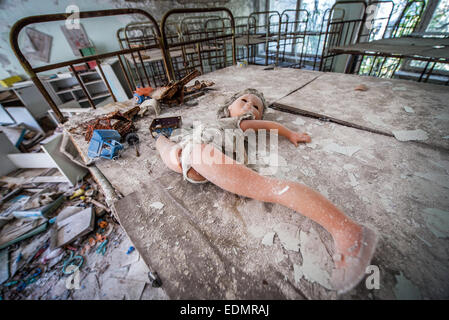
[101, 31]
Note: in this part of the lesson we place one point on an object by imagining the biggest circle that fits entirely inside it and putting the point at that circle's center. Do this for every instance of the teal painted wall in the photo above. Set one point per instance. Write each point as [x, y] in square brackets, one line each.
[101, 31]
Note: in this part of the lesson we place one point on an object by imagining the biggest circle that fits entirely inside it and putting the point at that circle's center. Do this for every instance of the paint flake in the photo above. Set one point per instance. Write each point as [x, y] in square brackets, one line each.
[409, 109]
[157, 205]
[410, 135]
[268, 239]
[347, 151]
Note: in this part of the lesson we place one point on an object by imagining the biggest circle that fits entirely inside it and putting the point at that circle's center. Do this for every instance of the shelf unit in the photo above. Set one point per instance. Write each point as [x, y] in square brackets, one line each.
[67, 89]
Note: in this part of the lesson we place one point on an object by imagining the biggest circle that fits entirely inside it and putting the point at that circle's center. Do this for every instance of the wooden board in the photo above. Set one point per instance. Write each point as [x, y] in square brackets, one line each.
[382, 107]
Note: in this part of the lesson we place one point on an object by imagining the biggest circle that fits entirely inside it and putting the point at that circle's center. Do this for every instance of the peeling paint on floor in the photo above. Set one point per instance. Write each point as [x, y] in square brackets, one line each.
[288, 235]
[437, 221]
[268, 239]
[410, 135]
[439, 179]
[298, 121]
[405, 289]
[317, 263]
[157, 205]
[347, 151]
[297, 273]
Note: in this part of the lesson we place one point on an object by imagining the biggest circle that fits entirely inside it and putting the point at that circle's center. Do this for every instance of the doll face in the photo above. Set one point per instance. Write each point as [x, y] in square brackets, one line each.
[248, 103]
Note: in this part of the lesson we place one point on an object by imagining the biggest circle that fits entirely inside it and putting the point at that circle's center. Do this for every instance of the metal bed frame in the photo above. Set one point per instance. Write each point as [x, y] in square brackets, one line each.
[33, 71]
[335, 31]
[263, 32]
[199, 42]
[138, 34]
[294, 33]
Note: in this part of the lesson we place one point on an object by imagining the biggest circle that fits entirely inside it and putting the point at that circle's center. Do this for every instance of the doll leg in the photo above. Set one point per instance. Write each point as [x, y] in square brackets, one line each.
[170, 153]
[350, 238]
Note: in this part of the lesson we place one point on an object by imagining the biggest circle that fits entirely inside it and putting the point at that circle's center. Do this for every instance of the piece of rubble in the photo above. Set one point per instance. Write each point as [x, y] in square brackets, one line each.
[268, 239]
[157, 205]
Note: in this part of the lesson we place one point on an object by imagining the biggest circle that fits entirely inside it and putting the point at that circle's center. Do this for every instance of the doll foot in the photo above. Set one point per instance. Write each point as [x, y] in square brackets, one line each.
[350, 270]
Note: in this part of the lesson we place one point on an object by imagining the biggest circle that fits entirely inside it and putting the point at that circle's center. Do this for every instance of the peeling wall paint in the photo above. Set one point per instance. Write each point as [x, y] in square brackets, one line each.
[101, 31]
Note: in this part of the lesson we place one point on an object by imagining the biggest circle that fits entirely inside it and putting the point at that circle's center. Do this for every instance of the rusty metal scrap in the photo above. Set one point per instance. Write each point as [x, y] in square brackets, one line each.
[123, 123]
[174, 93]
[198, 86]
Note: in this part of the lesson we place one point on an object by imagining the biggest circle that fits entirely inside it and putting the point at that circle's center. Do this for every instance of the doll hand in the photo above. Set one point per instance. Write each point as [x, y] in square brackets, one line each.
[299, 137]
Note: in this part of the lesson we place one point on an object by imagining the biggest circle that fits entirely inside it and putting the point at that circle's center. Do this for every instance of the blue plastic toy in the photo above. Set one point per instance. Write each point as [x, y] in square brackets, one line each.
[105, 144]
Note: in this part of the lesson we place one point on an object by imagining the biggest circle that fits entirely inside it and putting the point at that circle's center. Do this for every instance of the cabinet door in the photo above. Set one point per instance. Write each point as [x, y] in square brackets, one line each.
[33, 100]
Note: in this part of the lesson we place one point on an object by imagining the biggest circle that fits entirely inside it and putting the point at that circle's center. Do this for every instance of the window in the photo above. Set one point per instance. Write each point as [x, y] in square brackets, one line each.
[440, 19]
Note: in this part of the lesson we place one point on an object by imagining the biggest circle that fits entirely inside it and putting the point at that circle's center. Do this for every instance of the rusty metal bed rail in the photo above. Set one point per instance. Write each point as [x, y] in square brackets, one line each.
[33, 71]
[196, 42]
[342, 32]
[294, 34]
[263, 31]
[139, 34]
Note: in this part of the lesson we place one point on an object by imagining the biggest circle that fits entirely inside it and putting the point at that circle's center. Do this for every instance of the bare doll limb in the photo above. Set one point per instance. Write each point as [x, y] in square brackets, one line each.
[170, 153]
[354, 244]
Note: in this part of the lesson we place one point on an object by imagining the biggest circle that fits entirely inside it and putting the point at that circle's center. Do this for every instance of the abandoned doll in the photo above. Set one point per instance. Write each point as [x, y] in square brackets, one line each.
[201, 160]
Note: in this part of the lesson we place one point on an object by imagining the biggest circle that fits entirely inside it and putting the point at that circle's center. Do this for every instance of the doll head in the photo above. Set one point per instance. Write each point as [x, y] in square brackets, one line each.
[247, 101]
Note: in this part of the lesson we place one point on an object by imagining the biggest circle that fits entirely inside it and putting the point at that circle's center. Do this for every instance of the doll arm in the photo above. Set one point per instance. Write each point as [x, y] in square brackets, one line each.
[294, 137]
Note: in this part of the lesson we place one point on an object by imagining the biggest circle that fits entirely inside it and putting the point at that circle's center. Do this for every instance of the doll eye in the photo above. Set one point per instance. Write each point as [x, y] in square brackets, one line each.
[244, 100]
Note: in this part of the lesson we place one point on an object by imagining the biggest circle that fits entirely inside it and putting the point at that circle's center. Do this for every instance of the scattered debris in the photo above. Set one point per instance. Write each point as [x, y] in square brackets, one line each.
[121, 122]
[131, 249]
[72, 223]
[298, 121]
[410, 135]
[157, 205]
[361, 87]
[4, 265]
[153, 103]
[174, 93]
[164, 126]
[409, 109]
